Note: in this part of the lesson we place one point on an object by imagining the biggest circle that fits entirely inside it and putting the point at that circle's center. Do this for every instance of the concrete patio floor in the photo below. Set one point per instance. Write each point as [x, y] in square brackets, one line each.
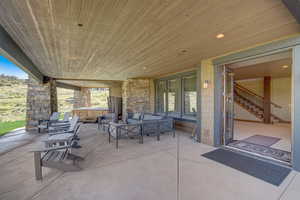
[136, 171]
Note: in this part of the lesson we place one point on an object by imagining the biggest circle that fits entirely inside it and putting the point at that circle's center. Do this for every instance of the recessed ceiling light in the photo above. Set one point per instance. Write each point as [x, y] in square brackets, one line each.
[285, 66]
[220, 35]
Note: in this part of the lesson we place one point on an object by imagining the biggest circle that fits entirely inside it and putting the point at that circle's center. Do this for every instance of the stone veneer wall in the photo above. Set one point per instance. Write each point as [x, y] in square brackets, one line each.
[207, 103]
[138, 95]
[53, 96]
[82, 98]
[41, 101]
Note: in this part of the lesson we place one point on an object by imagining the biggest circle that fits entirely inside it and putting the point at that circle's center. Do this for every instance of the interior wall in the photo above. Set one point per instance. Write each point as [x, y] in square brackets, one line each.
[255, 85]
[280, 94]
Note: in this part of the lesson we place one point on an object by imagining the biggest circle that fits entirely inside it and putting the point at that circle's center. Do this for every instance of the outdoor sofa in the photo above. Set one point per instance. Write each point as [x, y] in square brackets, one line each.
[152, 124]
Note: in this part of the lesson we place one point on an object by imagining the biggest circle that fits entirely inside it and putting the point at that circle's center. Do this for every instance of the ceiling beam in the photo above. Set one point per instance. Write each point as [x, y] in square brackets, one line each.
[10, 50]
[76, 79]
[294, 8]
[67, 86]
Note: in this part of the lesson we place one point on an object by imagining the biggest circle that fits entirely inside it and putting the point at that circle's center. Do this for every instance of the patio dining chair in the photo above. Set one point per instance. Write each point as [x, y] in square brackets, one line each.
[104, 120]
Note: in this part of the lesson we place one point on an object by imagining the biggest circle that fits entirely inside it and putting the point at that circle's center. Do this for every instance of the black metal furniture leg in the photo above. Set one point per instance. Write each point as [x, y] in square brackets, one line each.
[108, 136]
[117, 138]
[142, 135]
[158, 132]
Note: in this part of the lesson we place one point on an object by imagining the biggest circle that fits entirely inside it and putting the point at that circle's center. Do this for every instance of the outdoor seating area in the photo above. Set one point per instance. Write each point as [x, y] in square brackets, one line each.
[134, 171]
[149, 100]
[63, 137]
[135, 125]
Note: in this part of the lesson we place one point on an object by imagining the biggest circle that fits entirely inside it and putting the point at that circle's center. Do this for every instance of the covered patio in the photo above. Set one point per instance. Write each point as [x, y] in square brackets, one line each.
[163, 59]
[136, 171]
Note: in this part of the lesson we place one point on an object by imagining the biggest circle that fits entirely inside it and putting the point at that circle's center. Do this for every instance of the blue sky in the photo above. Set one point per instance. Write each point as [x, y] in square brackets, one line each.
[9, 68]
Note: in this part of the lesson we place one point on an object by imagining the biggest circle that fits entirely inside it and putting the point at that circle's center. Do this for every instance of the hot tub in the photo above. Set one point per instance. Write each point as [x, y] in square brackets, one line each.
[89, 114]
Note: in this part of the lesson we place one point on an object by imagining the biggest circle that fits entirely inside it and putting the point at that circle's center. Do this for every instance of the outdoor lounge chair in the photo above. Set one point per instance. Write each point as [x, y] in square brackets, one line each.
[66, 138]
[44, 124]
[64, 122]
[64, 129]
[55, 157]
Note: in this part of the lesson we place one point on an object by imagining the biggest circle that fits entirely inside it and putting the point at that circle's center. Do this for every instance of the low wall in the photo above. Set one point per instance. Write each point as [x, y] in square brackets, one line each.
[185, 126]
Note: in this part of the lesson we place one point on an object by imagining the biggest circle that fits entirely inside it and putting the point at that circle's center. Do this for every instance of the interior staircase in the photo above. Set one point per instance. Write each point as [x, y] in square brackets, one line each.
[253, 103]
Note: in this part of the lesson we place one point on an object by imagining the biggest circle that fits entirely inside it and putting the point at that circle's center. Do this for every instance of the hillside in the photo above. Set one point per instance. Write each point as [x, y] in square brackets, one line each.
[12, 98]
[13, 93]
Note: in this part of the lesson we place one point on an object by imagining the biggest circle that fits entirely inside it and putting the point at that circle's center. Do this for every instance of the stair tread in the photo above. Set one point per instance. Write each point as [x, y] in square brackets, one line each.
[251, 107]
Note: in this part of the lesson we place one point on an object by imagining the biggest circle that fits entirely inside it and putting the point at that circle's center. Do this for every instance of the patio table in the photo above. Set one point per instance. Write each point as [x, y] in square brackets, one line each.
[117, 128]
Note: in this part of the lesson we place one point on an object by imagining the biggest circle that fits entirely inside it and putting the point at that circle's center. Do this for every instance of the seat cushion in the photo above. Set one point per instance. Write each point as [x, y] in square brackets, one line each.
[136, 116]
[132, 121]
[152, 117]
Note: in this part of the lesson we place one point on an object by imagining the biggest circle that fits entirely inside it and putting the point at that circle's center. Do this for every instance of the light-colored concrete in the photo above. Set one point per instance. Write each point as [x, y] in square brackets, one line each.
[14, 139]
[136, 171]
[242, 130]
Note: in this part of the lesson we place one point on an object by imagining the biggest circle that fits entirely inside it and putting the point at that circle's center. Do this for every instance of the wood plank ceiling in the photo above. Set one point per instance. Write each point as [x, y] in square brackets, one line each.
[122, 39]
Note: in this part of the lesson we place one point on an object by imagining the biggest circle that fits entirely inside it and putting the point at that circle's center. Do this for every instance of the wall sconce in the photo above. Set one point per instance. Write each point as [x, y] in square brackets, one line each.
[205, 84]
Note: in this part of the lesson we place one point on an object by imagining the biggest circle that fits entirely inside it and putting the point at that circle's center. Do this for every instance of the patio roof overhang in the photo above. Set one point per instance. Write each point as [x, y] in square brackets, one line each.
[116, 40]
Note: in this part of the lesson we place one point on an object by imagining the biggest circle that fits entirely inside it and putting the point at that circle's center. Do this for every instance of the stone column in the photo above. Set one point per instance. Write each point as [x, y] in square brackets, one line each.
[82, 98]
[138, 95]
[53, 95]
[41, 101]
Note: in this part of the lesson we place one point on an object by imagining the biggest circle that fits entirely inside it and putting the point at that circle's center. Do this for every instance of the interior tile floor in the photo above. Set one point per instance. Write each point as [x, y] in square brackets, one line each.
[243, 130]
[136, 171]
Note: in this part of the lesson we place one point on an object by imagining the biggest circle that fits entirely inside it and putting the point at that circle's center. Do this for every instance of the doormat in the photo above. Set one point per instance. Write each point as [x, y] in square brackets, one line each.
[262, 150]
[262, 140]
[266, 171]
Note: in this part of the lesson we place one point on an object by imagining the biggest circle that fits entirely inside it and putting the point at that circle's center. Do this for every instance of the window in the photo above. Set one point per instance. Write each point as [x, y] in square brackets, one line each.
[161, 97]
[173, 97]
[177, 96]
[190, 95]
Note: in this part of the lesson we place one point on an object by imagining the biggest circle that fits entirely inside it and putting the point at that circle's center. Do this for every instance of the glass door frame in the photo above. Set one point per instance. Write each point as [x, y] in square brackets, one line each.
[228, 105]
